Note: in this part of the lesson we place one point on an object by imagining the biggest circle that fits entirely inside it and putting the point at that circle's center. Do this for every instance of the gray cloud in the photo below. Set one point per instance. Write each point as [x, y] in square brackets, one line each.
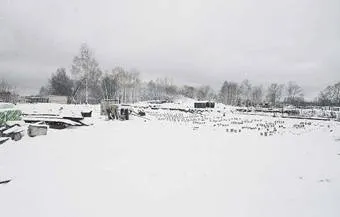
[193, 41]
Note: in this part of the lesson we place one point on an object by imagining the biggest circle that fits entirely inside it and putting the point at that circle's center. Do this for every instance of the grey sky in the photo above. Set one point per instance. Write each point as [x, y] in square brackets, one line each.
[192, 41]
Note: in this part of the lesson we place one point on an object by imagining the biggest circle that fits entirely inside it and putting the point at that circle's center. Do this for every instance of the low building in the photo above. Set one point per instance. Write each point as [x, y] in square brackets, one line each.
[57, 99]
[204, 105]
[36, 99]
[44, 99]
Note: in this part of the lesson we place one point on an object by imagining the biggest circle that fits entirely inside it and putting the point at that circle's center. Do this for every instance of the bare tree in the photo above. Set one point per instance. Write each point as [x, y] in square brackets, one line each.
[109, 86]
[86, 68]
[245, 91]
[257, 94]
[330, 95]
[325, 97]
[161, 88]
[230, 93]
[127, 85]
[44, 91]
[223, 93]
[171, 91]
[135, 86]
[294, 93]
[336, 94]
[274, 93]
[204, 93]
[189, 91]
[7, 92]
[150, 91]
[5, 86]
[123, 79]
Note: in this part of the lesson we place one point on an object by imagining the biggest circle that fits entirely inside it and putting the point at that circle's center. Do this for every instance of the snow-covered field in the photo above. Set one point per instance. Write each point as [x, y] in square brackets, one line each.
[175, 164]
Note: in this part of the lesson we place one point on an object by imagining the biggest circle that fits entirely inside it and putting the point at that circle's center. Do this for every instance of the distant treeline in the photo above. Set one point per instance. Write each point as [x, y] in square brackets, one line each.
[8, 92]
[87, 83]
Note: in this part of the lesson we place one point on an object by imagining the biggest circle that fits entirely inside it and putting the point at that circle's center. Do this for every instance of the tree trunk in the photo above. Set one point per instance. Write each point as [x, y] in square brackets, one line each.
[86, 92]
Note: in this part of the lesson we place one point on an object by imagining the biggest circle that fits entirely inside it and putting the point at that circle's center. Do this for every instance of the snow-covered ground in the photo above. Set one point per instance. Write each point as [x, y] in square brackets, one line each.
[175, 164]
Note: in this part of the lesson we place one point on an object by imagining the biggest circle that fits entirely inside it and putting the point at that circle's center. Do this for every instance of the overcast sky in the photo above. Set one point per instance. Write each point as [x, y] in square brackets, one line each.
[192, 41]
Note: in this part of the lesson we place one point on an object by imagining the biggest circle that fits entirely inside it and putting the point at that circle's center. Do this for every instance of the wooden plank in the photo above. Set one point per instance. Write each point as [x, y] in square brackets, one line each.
[15, 129]
[50, 120]
[307, 118]
[3, 139]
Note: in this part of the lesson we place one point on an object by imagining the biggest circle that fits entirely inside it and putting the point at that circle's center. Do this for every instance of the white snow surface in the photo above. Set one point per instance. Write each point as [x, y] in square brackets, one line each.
[174, 164]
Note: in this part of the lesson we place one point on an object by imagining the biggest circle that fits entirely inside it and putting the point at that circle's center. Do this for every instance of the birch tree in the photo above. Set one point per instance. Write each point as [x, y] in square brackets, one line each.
[85, 68]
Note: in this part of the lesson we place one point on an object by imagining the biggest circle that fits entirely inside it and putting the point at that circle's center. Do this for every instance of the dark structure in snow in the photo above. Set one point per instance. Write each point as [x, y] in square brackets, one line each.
[106, 104]
[203, 105]
[45, 99]
[36, 99]
[37, 130]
